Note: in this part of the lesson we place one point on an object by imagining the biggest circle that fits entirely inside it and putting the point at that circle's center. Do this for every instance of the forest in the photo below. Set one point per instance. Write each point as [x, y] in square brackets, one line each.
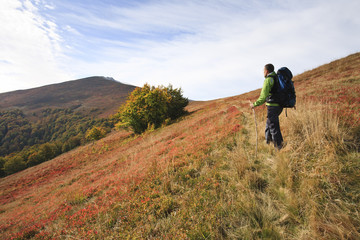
[25, 143]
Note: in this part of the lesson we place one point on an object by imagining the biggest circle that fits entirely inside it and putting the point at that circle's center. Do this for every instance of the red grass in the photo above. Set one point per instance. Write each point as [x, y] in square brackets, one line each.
[75, 188]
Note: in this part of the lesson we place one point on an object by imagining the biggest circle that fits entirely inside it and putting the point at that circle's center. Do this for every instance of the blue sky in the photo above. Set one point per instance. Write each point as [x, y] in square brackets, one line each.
[209, 48]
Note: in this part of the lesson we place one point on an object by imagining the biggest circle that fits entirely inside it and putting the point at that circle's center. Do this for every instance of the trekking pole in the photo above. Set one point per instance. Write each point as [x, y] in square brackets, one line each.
[255, 131]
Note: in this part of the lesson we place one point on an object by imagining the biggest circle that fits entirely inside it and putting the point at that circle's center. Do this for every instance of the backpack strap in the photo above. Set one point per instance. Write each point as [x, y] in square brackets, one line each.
[275, 85]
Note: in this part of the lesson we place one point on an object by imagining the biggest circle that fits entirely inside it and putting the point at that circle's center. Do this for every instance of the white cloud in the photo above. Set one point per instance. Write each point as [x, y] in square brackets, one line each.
[223, 53]
[30, 46]
[72, 30]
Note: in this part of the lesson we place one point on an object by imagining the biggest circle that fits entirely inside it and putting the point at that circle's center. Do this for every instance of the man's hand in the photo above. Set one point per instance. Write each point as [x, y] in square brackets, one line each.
[251, 105]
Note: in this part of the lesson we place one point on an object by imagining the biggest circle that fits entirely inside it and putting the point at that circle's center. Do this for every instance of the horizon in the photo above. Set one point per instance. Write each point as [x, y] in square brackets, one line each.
[210, 50]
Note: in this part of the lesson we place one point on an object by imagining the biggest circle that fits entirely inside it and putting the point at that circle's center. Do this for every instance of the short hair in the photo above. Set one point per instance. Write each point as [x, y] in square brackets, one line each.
[269, 67]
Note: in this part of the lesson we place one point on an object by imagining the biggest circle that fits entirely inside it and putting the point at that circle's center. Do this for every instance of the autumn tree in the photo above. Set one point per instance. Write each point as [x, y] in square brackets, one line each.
[14, 165]
[150, 106]
[2, 163]
[95, 133]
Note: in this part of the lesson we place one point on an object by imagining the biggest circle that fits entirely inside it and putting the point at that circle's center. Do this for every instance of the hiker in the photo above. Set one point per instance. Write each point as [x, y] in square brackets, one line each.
[272, 129]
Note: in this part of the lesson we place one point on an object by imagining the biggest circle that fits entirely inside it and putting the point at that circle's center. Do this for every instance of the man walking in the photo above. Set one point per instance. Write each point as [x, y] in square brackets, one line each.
[272, 130]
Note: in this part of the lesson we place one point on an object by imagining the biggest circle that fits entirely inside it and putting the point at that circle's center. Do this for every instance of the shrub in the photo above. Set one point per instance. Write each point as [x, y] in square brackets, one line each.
[14, 165]
[35, 159]
[151, 106]
[95, 133]
[2, 162]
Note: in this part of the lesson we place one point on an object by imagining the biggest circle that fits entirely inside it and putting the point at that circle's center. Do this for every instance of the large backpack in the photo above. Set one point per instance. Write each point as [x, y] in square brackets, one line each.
[284, 91]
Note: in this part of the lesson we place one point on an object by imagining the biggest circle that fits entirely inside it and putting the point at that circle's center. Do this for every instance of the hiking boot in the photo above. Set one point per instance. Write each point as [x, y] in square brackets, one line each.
[281, 146]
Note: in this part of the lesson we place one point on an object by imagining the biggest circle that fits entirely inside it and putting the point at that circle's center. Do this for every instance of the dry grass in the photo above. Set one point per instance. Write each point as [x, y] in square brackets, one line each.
[308, 179]
[299, 193]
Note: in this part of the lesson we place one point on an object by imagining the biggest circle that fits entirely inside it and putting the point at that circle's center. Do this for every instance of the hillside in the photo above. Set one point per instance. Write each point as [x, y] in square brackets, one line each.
[98, 96]
[201, 178]
[41, 123]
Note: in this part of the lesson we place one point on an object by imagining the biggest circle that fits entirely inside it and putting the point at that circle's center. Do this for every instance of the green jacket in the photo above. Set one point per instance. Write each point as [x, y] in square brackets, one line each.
[265, 91]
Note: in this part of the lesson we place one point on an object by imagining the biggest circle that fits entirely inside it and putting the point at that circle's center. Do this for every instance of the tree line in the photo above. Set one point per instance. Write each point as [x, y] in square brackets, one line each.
[24, 143]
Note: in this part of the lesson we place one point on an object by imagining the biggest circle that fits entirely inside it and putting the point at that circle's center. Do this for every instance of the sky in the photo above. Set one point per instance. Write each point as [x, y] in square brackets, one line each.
[209, 48]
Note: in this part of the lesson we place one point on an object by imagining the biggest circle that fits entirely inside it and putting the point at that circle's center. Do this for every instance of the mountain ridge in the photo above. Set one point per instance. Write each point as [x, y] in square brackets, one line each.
[98, 96]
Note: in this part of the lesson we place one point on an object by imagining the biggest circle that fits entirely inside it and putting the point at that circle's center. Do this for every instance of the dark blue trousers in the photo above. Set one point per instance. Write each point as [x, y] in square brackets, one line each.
[272, 129]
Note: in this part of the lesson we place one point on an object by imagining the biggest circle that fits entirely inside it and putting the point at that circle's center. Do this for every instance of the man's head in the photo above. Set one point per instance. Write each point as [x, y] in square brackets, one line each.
[269, 68]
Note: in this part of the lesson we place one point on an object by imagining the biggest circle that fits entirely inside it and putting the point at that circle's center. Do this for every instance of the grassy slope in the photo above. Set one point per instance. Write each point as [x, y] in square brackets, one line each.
[200, 179]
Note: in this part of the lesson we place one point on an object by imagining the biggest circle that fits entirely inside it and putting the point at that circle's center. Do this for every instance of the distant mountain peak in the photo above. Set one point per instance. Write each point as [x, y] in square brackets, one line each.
[97, 92]
[98, 78]
[110, 79]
